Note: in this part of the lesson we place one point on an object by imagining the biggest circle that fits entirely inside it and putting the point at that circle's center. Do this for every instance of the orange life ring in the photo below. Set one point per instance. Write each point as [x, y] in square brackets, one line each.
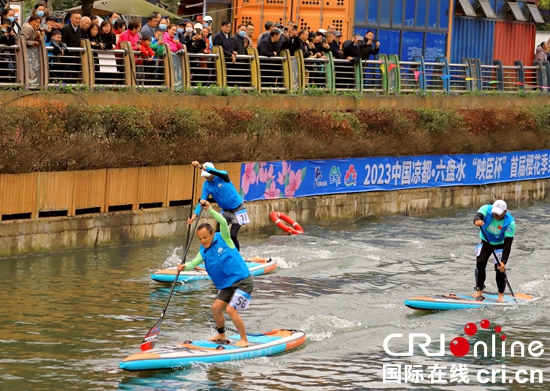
[280, 219]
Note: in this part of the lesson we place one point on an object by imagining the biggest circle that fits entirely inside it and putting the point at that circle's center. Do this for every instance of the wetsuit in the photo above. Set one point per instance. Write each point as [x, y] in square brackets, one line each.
[500, 234]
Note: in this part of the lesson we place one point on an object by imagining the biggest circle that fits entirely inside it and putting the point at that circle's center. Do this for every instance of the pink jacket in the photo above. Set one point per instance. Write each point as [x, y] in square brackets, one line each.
[173, 45]
[127, 36]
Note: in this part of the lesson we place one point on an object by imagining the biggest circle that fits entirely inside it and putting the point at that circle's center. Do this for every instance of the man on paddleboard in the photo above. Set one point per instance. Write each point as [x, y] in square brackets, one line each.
[228, 270]
[497, 226]
[226, 196]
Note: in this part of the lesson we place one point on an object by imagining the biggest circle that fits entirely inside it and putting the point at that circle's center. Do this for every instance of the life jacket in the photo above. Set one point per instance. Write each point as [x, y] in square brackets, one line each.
[223, 264]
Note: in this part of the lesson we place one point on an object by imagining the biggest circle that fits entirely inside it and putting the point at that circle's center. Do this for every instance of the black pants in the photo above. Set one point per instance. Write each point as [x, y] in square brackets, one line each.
[234, 231]
[480, 275]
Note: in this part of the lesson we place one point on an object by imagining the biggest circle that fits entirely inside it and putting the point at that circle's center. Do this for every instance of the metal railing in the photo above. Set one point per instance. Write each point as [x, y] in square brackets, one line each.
[39, 66]
[109, 69]
[65, 68]
[272, 73]
[316, 73]
[202, 69]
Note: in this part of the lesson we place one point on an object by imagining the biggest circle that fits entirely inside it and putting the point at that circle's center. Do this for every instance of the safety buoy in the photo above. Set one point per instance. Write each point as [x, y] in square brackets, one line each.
[286, 223]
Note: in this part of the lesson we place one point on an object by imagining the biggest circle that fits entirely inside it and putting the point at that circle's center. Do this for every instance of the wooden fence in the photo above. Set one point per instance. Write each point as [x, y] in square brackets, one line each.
[73, 193]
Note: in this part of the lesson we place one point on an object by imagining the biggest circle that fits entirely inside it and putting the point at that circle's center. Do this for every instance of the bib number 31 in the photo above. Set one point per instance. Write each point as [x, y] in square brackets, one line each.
[240, 300]
[242, 217]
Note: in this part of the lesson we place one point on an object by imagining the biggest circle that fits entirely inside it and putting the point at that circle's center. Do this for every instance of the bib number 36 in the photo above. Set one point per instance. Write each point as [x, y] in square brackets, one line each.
[240, 300]
[242, 217]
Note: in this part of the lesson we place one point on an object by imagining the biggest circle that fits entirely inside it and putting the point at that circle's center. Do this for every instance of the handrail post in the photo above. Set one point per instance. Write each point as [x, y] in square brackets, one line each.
[500, 74]
[88, 66]
[221, 74]
[129, 64]
[422, 74]
[254, 69]
[446, 73]
[520, 75]
[394, 72]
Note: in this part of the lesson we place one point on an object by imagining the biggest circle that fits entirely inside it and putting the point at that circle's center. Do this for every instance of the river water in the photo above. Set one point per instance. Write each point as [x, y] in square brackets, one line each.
[69, 318]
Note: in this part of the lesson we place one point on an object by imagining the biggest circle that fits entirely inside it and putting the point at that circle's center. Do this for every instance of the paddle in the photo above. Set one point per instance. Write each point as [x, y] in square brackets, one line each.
[151, 337]
[153, 334]
[496, 258]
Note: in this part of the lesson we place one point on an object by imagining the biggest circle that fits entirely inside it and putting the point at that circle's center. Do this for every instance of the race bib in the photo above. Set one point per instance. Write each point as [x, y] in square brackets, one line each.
[242, 217]
[498, 253]
[478, 249]
[240, 300]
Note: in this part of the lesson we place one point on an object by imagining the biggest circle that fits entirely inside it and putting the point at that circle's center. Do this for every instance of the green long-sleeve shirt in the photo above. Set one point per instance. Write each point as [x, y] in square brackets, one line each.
[225, 234]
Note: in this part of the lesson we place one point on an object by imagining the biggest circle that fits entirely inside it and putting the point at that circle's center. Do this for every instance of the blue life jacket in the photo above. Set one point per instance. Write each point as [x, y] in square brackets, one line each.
[224, 265]
[225, 194]
[495, 235]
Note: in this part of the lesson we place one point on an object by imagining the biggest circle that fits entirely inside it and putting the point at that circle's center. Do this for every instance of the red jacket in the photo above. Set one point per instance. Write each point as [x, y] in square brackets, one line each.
[146, 52]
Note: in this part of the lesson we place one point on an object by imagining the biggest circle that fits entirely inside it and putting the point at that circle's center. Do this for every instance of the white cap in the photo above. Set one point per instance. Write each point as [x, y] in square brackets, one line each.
[322, 31]
[198, 26]
[499, 207]
[207, 18]
[204, 173]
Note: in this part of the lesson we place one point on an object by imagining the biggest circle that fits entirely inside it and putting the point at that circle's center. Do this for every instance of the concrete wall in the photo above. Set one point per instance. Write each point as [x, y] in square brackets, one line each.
[122, 228]
[289, 102]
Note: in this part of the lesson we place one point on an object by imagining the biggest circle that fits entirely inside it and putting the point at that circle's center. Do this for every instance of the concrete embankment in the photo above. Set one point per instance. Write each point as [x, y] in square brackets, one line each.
[23, 237]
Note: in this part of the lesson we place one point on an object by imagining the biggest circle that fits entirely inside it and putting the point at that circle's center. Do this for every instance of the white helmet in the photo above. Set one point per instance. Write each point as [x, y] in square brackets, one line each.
[207, 18]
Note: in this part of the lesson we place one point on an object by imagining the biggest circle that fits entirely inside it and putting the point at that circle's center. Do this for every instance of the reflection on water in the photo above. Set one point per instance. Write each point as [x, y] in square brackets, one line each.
[68, 319]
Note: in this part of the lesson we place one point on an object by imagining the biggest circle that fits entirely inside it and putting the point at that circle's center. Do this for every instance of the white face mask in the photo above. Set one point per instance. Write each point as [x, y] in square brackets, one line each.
[188, 30]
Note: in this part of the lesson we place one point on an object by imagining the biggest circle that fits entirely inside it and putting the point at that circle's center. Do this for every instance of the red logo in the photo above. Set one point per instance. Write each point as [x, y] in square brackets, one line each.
[460, 346]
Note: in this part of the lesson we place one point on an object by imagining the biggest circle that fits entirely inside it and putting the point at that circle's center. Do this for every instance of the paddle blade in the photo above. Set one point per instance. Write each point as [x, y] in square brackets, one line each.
[151, 338]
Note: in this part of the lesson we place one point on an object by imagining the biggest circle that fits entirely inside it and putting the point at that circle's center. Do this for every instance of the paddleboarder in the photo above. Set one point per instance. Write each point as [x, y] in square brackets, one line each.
[219, 186]
[228, 270]
[497, 230]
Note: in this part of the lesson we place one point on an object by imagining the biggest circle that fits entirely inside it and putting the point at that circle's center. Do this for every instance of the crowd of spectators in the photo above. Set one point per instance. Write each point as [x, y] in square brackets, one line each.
[182, 35]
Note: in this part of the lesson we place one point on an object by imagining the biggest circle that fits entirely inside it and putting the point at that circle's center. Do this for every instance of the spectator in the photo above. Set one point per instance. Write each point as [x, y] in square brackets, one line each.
[268, 47]
[31, 31]
[8, 35]
[107, 36]
[542, 52]
[180, 30]
[189, 34]
[292, 40]
[153, 21]
[145, 61]
[303, 35]
[331, 29]
[249, 34]
[207, 21]
[9, 14]
[59, 47]
[351, 49]
[269, 26]
[237, 42]
[316, 44]
[71, 31]
[222, 39]
[170, 38]
[118, 28]
[94, 19]
[163, 25]
[370, 47]
[38, 10]
[131, 35]
[113, 17]
[93, 37]
[332, 46]
[85, 23]
[49, 27]
[157, 44]
[337, 37]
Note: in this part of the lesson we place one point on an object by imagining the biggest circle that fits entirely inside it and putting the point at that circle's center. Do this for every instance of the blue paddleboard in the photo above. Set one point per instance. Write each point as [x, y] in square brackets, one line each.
[463, 301]
[204, 351]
